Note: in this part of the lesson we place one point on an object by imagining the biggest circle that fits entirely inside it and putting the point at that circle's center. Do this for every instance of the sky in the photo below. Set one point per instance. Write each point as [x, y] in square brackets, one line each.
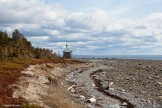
[91, 27]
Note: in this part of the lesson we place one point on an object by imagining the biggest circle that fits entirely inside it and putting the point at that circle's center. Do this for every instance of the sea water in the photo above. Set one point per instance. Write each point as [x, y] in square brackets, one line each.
[143, 57]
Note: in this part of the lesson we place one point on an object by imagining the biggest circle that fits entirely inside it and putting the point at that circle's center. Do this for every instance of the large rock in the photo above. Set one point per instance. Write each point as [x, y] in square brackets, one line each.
[91, 100]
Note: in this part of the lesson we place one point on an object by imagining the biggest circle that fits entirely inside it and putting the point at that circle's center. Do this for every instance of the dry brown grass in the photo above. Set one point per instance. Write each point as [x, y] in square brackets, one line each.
[10, 71]
[59, 98]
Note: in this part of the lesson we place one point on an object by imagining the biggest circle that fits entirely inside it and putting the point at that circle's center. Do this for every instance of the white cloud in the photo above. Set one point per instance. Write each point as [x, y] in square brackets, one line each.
[50, 25]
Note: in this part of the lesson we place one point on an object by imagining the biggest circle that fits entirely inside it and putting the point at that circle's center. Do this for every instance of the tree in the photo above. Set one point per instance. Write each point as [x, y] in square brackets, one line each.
[3, 38]
[16, 35]
[19, 47]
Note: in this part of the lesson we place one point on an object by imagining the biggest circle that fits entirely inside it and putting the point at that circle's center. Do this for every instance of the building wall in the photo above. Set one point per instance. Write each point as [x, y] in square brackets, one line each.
[67, 55]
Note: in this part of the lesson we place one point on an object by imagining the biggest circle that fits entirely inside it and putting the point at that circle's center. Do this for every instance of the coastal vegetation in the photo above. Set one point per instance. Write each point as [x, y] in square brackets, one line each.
[16, 54]
[17, 46]
[10, 71]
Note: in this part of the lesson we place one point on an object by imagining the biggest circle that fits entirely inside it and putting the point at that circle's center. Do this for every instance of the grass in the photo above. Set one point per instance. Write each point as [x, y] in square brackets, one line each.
[59, 98]
[10, 71]
[57, 95]
[30, 106]
[53, 81]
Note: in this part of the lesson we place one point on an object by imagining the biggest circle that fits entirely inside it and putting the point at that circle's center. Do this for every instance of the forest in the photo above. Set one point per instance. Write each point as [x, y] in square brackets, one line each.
[17, 46]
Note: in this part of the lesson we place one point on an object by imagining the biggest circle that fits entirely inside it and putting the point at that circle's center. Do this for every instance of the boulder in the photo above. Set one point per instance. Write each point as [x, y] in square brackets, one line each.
[91, 100]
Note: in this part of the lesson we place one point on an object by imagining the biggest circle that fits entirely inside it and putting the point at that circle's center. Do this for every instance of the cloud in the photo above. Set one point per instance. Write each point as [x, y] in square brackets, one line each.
[50, 25]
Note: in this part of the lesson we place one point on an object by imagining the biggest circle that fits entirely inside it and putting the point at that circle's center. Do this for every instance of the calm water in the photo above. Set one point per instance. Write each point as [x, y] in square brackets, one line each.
[145, 57]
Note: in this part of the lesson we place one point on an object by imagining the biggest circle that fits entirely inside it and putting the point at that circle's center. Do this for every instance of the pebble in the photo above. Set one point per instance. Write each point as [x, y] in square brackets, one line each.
[125, 104]
[160, 97]
[123, 90]
[114, 106]
[72, 90]
[111, 89]
[81, 96]
[160, 83]
[93, 85]
[110, 84]
[90, 106]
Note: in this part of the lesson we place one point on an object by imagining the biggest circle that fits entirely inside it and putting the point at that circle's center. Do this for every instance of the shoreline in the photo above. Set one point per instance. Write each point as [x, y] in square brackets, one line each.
[45, 85]
[135, 57]
[141, 78]
[132, 81]
[113, 59]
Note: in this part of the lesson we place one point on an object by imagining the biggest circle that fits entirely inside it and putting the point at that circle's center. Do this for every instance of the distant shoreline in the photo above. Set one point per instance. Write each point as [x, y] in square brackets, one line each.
[135, 57]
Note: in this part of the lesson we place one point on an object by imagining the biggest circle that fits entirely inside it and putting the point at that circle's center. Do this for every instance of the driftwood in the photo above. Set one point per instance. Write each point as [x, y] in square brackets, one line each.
[70, 87]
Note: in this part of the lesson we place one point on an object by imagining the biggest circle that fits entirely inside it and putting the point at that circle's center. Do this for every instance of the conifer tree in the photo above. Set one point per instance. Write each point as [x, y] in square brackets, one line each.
[16, 35]
[19, 47]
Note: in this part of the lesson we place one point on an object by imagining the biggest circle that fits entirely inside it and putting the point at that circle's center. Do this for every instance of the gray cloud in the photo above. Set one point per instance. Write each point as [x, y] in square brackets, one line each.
[51, 25]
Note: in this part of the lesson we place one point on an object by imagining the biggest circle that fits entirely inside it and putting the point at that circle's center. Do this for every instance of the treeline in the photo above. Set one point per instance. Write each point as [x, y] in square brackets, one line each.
[17, 46]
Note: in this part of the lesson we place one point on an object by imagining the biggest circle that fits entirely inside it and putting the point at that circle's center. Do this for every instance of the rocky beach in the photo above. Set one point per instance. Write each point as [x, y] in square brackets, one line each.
[95, 83]
[134, 83]
[81, 54]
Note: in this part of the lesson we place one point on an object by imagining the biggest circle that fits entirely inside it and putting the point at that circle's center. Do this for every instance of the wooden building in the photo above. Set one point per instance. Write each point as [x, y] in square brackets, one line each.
[67, 53]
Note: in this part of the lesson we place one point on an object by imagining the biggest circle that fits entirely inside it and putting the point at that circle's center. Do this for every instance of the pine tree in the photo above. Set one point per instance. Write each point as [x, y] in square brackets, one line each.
[16, 35]
[19, 47]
